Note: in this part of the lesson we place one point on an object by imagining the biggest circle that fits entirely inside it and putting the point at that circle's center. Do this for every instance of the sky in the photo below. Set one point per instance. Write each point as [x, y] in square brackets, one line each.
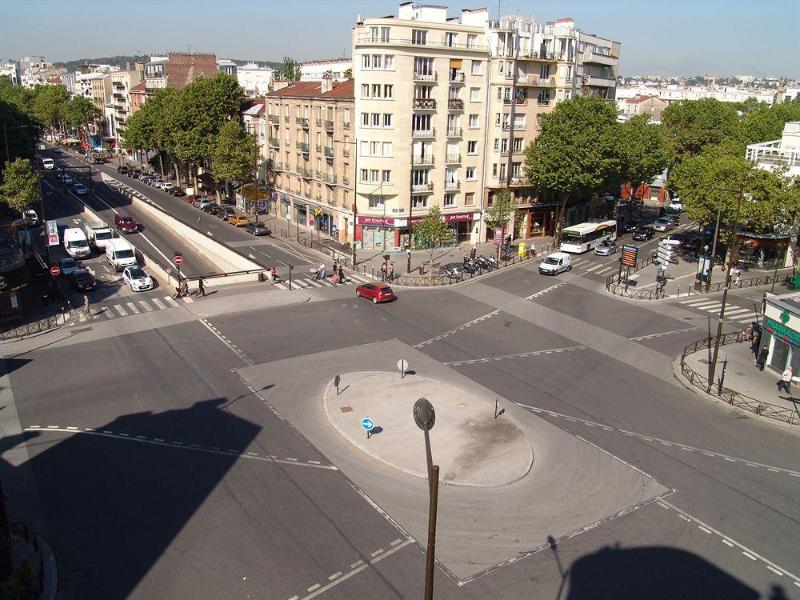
[668, 37]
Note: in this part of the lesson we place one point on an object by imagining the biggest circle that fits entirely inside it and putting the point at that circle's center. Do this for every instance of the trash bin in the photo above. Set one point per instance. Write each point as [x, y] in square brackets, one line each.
[262, 276]
[521, 249]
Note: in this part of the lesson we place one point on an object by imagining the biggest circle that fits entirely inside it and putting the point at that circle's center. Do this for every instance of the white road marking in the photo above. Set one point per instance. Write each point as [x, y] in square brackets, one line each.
[590, 269]
[133, 308]
[145, 305]
[520, 355]
[158, 303]
[545, 291]
[171, 301]
[605, 270]
[188, 299]
[459, 328]
[230, 346]
[280, 285]
[122, 312]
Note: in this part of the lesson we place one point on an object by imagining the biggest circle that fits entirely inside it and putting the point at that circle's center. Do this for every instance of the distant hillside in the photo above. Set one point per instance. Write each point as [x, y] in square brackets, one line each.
[120, 61]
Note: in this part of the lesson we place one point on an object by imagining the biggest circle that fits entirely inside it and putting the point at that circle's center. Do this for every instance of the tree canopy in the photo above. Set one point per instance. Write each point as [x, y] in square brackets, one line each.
[431, 231]
[20, 187]
[690, 126]
[234, 154]
[501, 210]
[642, 152]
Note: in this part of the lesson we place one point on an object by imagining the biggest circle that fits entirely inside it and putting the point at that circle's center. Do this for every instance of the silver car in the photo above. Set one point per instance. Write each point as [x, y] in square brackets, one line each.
[663, 224]
[607, 248]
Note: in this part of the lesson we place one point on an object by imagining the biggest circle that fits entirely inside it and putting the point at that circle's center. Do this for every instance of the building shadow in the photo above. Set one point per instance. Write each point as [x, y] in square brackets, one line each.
[113, 505]
[655, 573]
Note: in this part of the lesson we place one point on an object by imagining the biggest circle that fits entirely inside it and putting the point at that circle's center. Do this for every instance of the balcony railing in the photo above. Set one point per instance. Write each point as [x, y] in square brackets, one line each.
[423, 133]
[285, 118]
[303, 147]
[425, 77]
[274, 142]
[599, 59]
[424, 104]
[454, 132]
[543, 102]
[518, 101]
[456, 78]
[346, 153]
[328, 152]
[453, 159]
[541, 81]
[455, 104]
[276, 166]
[422, 161]
[303, 122]
[318, 122]
[369, 40]
[329, 178]
[452, 186]
[422, 188]
[304, 173]
[274, 118]
[345, 180]
[329, 126]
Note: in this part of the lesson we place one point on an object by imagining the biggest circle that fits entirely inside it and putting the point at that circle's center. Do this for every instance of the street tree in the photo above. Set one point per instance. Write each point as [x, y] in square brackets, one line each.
[575, 152]
[79, 112]
[499, 212]
[431, 232]
[149, 128]
[290, 69]
[48, 105]
[642, 153]
[765, 123]
[691, 125]
[234, 155]
[20, 187]
[19, 132]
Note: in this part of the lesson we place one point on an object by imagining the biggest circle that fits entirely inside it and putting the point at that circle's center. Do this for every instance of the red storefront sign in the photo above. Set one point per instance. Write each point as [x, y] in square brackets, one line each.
[375, 221]
[458, 217]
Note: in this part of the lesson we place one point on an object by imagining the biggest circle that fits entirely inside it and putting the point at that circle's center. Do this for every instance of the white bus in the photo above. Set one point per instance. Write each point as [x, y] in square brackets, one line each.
[585, 236]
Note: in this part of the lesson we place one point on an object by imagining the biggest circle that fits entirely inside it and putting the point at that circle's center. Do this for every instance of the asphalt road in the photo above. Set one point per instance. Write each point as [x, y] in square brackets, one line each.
[187, 485]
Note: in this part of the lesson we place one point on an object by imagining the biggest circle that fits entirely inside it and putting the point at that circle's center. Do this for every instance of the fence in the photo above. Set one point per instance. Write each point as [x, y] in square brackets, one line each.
[436, 280]
[734, 398]
[35, 327]
[615, 286]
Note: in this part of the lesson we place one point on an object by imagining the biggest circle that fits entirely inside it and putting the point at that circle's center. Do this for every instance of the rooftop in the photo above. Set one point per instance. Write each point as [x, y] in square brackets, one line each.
[313, 89]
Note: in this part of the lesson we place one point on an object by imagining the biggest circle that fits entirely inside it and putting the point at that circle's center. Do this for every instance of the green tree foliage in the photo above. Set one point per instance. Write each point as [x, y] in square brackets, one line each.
[765, 123]
[234, 154]
[48, 105]
[19, 133]
[500, 211]
[431, 231]
[692, 125]
[19, 97]
[290, 69]
[79, 112]
[642, 152]
[20, 188]
[576, 151]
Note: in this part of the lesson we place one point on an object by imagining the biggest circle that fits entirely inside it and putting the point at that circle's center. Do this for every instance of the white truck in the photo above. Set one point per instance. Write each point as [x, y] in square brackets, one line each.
[75, 243]
[120, 254]
[98, 234]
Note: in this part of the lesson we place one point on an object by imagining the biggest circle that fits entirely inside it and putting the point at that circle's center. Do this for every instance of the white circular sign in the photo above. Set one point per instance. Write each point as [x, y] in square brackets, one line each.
[402, 365]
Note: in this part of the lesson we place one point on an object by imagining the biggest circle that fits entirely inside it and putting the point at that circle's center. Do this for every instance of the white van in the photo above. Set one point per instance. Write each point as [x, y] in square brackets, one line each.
[555, 263]
[120, 254]
[98, 234]
[48, 163]
[75, 243]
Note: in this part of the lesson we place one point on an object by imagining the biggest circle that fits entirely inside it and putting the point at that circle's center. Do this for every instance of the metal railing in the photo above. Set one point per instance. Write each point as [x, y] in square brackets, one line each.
[424, 104]
[441, 279]
[732, 397]
[38, 326]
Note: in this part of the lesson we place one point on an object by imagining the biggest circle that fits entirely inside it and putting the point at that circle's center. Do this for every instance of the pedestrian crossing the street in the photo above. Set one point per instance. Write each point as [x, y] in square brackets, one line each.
[732, 312]
[125, 309]
[307, 282]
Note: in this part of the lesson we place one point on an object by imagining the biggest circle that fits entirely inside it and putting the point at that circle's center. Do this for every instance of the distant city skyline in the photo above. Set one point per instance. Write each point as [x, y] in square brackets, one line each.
[719, 37]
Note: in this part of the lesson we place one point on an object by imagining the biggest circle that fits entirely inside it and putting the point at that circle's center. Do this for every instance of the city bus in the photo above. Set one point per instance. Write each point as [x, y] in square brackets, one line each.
[585, 236]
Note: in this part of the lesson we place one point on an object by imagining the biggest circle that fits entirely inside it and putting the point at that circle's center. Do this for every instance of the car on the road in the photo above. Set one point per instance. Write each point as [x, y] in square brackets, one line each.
[677, 204]
[82, 280]
[145, 178]
[122, 170]
[663, 224]
[673, 216]
[377, 292]
[30, 218]
[257, 229]
[137, 279]
[167, 186]
[125, 223]
[67, 179]
[211, 209]
[68, 266]
[239, 220]
[607, 248]
[81, 189]
[629, 226]
[644, 233]
[555, 263]
[202, 202]
[225, 212]
[48, 163]
[177, 192]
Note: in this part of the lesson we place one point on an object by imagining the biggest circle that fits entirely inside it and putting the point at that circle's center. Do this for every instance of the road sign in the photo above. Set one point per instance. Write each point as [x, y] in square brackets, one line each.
[367, 424]
[55, 270]
[629, 254]
[311, 222]
[52, 233]
[402, 366]
[178, 260]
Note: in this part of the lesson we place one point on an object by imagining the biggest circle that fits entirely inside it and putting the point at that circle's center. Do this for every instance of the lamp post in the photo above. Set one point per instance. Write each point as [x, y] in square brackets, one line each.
[424, 417]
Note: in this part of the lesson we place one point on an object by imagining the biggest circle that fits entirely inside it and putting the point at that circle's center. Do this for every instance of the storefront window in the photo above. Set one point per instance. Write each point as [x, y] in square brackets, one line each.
[779, 355]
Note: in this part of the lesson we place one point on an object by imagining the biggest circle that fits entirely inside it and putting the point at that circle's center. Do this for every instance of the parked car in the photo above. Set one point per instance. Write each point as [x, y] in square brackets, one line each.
[177, 192]
[225, 212]
[68, 266]
[607, 248]
[82, 280]
[663, 224]
[137, 279]
[375, 292]
[81, 189]
[239, 220]
[122, 170]
[257, 229]
[629, 226]
[167, 186]
[30, 218]
[677, 204]
[672, 216]
[67, 179]
[211, 208]
[644, 233]
[135, 173]
[202, 202]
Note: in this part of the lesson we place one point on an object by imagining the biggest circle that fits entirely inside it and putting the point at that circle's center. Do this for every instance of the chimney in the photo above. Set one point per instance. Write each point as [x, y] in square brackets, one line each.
[327, 82]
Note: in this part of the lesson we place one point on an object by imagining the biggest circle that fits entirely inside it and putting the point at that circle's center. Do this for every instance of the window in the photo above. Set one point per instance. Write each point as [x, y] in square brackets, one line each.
[450, 39]
[386, 176]
[419, 37]
[469, 199]
[387, 149]
[376, 202]
[470, 174]
[376, 119]
[365, 119]
[364, 148]
[419, 177]
[373, 34]
[373, 176]
[423, 66]
[384, 34]
[472, 40]
[388, 62]
[494, 170]
[497, 119]
[374, 148]
[476, 67]
[473, 121]
[472, 147]
[449, 200]
[365, 61]
[516, 169]
[497, 144]
[364, 175]
[544, 71]
[422, 91]
[346, 117]
[365, 90]
[474, 94]
[376, 90]
[421, 202]
[452, 93]
[387, 119]
[518, 144]
[388, 90]
[377, 61]
[543, 97]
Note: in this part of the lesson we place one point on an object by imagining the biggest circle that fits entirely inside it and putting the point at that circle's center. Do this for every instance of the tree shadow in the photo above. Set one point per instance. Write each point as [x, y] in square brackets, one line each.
[114, 504]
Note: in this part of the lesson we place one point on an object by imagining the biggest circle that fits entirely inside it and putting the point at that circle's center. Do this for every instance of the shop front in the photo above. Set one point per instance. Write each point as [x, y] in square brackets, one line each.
[379, 233]
[461, 225]
[781, 332]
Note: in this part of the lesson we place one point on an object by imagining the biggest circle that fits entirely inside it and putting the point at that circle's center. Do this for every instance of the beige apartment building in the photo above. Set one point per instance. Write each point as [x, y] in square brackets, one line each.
[121, 84]
[310, 136]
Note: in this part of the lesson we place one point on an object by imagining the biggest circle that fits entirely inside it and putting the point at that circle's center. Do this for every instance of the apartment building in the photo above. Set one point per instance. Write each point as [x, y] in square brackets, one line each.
[10, 69]
[781, 155]
[176, 69]
[121, 84]
[255, 79]
[311, 152]
[338, 69]
[534, 66]
[420, 103]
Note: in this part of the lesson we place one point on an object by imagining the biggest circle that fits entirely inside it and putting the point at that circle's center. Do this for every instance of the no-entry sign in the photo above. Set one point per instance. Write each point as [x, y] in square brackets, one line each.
[55, 270]
[178, 260]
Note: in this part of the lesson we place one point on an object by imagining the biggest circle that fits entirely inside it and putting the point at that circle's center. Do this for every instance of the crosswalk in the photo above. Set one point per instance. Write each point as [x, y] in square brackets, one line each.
[307, 282]
[589, 267]
[127, 308]
[732, 312]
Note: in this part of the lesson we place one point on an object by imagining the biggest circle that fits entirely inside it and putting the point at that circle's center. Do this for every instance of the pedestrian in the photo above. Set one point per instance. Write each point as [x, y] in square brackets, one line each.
[201, 289]
[383, 271]
[198, 220]
[321, 272]
[737, 274]
[391, 271]
[274, 274]
[86, 310]
[335, 265]
[465, 260]
[761, 360]
[341, 274]
[786, 380]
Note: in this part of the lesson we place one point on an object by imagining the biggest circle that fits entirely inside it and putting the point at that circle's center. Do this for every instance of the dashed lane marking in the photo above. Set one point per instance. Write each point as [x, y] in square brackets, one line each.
[215, 332]
[519, 355]
[459, 328]
[143, 439]
[541, 293]
[651, 336]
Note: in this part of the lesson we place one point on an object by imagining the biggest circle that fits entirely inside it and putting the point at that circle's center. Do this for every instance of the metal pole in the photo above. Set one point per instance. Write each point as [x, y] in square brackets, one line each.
[714, 247]
[428, 454]
[430, 555]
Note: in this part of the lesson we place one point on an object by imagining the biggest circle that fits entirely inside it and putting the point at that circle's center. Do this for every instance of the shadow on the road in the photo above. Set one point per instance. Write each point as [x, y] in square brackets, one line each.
[113, 504]
[655, 573]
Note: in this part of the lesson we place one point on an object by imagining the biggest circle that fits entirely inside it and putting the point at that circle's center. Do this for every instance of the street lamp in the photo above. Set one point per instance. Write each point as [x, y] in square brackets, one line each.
[424, 417]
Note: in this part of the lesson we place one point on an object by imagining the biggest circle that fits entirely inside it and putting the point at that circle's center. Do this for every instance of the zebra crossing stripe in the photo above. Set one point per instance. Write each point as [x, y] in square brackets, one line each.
[171, 301]
[590, 269]
[122, 312]
[601, 271]
[145, 305]
[188, 299]
[280, 286]
[133, 308]
[158, 303]
[704, 304]
[109, 315]
[299, 283]
[313, 282]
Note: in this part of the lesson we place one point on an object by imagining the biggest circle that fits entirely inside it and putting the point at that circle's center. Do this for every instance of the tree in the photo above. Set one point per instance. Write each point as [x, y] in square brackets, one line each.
[431, 232]
[19, 133]
[765, 123]
[290, 69]
[48, 105]
[149, 128]
[234, 155]
[575, 152]
[691, 125]
[500, 211]
[642, 152]
[20, 186]
[80, 111]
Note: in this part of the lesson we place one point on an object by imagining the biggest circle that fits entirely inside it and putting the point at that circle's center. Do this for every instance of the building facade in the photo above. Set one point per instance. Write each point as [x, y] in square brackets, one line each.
[10, 69]
[338, 69]
[255, 80]
[121, 84]
[310, 136]
[779, 155]
[176, 69]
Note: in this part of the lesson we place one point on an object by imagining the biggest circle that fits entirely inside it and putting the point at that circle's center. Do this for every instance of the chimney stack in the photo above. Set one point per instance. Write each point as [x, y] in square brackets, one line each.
[327, 82]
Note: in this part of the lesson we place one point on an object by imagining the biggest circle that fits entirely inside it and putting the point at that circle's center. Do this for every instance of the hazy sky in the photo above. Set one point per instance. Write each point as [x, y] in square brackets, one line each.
[689, 37]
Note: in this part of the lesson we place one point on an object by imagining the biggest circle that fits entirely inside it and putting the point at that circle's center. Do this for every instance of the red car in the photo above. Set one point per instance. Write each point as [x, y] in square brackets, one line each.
[376, 292]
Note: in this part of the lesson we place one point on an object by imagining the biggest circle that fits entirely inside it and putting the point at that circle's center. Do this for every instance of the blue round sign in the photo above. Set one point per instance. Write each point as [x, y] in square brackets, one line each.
[367, 424]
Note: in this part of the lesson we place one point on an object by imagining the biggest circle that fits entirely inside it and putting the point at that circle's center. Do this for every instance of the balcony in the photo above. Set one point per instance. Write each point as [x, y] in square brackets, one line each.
[345, 180]
[543, 101]
[329, 126]
[329, 178]
[454, 132]
[274, 118]
[286, 118]
[304, 173]
[302, 121]
[346, 153]
[419, 134]
[274, 142]
[424, 104]
[318, 122]
[329, 152]
[303, 147]
[276, 166]
[599, 81]
[538, 81]
[455, 104]
[599, 59]
[452, 186]
[422, 161]
[318, 148]
[518, 101]
[422, 188]
[456, 78]
[453, 159]
[425, 77]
